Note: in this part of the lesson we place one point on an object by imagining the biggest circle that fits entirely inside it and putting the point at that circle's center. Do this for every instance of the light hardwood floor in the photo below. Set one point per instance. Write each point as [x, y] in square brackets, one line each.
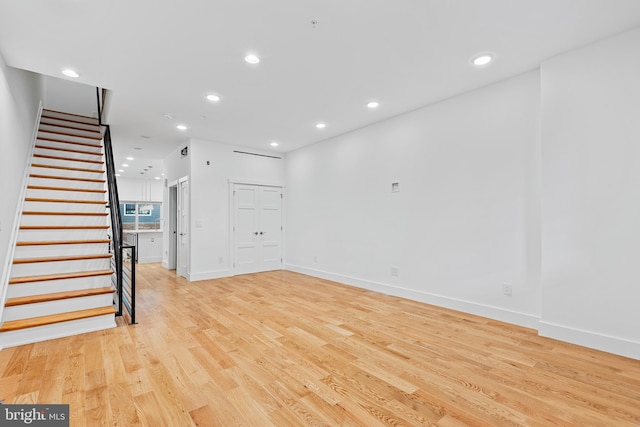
[285, 349]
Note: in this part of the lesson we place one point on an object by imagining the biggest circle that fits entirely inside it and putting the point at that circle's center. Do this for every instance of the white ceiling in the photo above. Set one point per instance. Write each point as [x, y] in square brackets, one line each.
[163, 56]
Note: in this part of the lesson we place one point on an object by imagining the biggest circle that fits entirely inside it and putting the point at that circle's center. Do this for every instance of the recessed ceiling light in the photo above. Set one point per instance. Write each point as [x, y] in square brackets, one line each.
[274, 144]
[483, 59]
[130, 158]
[117, 174]
[373, 104]
[70, 73]
[124, 165]
[120, 170]
[181, 127]
[213, 97]
[321, 125]
[252, 59]
[157, 177]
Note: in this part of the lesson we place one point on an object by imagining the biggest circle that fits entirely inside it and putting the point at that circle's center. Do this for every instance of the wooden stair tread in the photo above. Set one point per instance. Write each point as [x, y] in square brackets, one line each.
[36, 175]
[45, 187]
[32, 322]
[60, 276]
[60, 258]
[66, 168]
[68, 159]
[62, 242]
[69, 124]
[85, 144]
[96, 132]
[47, 200]
[69, 150]
[95, 138]
[64, 213]
[49, 110]
[57, 296]
[64, 227]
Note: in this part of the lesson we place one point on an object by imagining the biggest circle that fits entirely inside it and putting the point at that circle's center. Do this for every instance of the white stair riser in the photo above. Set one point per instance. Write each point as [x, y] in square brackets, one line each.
[51, 286]
[41, 268]
[62, 220]
[84, 140]
[68, 154]
[44, 127]
[57, 330]
[67, 183]
[26, 311]
[96, 150]
[56, 235]
[74, 118]
[66, 195]
[68, 163]
[60, 250]
[64, 207]
[52, 121]
[66, 173]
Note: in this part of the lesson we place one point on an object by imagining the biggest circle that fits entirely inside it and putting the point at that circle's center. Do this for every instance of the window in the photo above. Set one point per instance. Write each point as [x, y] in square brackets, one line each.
[140, 215]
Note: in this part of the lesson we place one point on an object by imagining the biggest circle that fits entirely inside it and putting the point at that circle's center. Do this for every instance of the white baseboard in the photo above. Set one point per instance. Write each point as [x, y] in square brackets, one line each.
[149, 260]
[503, 315]
[589, 339]
[208, 275]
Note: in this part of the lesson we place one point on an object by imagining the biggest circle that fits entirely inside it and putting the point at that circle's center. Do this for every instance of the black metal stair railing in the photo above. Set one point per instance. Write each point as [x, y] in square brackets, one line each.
[123, 260]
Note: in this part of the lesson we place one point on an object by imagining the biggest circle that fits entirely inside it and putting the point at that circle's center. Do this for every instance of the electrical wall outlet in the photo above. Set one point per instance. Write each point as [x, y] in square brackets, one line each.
[220, 259]
[315, 259]
[506, 288]
[395, 271]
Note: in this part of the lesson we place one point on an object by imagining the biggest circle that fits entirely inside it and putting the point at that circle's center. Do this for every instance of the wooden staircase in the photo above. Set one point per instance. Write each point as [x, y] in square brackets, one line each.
[60, 282]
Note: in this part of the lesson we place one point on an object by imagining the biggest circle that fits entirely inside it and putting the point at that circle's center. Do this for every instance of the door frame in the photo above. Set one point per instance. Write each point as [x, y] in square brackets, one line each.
[172, 225]
[257, 182]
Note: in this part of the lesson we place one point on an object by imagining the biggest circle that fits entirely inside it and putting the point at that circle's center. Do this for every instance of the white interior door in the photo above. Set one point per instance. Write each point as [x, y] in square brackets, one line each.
[183, 229]
[257, 228]
[270, 228]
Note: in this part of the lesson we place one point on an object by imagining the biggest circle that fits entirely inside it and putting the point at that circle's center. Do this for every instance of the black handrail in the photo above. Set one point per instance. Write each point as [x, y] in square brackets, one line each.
[116, 219]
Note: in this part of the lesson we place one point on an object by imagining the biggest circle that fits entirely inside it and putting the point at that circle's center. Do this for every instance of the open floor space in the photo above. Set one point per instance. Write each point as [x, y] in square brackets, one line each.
[285, 349]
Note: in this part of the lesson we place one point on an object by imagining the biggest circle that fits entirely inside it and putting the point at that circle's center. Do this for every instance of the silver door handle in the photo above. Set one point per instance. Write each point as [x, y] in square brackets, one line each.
[263, 232]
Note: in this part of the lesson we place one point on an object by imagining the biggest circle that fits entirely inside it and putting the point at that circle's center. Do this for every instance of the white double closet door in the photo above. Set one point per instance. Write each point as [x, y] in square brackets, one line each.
[257, 228]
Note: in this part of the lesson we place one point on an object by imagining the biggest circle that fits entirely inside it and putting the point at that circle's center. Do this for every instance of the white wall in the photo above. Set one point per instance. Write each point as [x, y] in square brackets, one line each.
[70, 96]
[466, 219]
[209, 194]
[591, 195]
[20, 96]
